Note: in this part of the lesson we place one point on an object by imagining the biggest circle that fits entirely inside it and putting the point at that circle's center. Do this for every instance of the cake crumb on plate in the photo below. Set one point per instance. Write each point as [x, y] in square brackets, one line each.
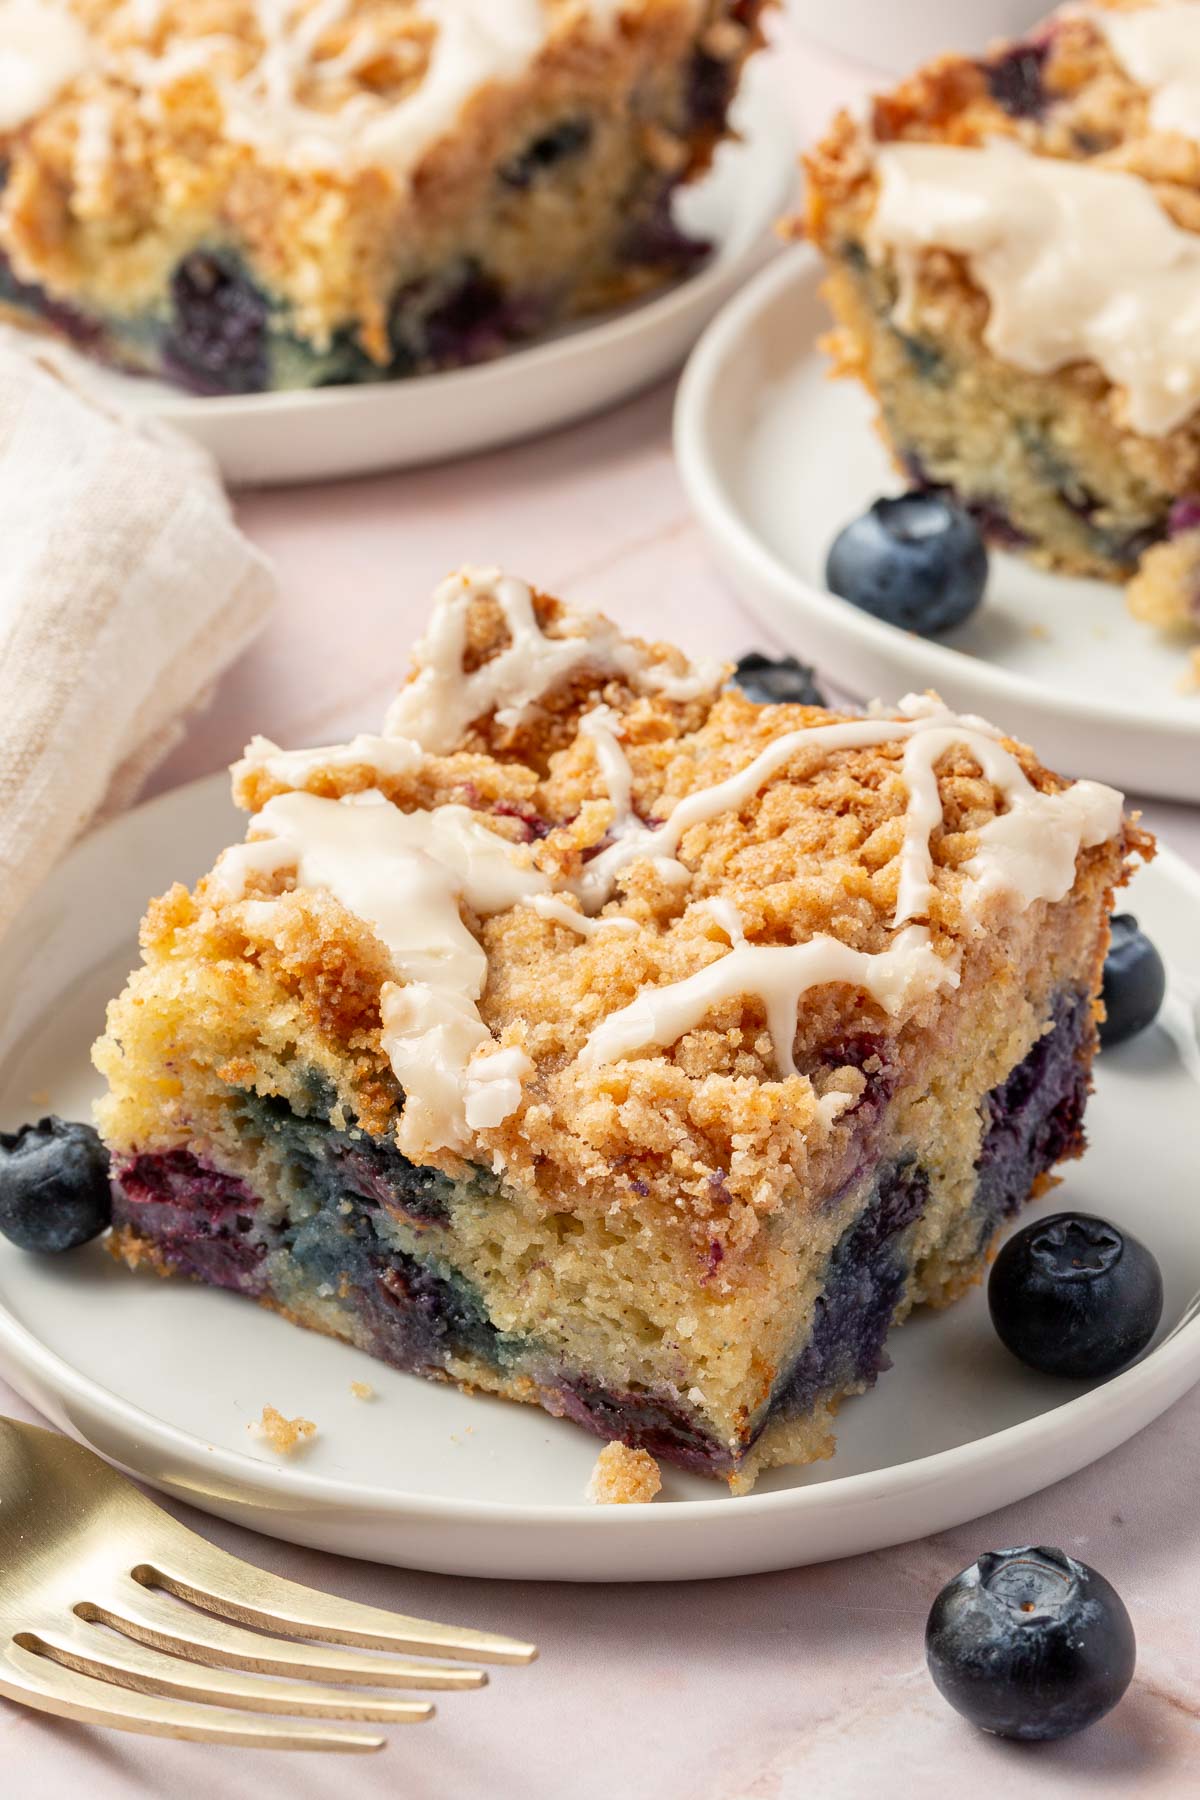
[362, 1390]
[623, 1477]
[285, 1436]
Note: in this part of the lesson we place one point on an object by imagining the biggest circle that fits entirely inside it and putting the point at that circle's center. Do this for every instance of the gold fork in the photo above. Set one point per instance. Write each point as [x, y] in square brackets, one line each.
[93, 1625]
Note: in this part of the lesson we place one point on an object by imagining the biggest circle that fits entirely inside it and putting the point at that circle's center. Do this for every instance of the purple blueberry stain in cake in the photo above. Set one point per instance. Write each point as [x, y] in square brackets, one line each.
[1035, 1117]
[718, 1189]
[1183, 515]
[1015, 79]
[872, 1055]
[659, 1423]
[203, 1221]
[420, 1314]
[863, 1285]
[656, 240]
[535, 827]
[85, 333]
[217, 340]
[712, 80]
[547, 151]
[996, 525]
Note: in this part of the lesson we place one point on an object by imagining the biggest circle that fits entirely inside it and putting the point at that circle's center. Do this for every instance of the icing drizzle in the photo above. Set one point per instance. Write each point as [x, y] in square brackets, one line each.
[441, 701]
[409, 874]
[1078, 264]
[291, 101]
[43, 47]
[1159, 46]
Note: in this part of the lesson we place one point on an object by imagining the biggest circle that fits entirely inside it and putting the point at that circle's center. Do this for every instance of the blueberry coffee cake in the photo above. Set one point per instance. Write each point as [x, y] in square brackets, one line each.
[249, 194]
[1013, 247]
[601, 1038]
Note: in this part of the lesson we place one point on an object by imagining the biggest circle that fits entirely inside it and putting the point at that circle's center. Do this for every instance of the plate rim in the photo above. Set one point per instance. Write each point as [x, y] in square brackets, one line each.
[31, 1366]
[693, 435]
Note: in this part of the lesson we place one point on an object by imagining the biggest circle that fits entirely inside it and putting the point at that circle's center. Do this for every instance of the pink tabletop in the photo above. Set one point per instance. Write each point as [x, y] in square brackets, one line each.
[810, 1683]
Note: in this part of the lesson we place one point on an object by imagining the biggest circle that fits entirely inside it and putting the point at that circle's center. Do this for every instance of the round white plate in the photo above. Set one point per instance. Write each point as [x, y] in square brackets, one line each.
[164, 1378]
[776, 457]
[329, 432]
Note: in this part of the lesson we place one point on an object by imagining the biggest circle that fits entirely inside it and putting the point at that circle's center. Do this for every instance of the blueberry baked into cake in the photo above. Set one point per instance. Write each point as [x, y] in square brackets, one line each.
[249, 194]
[1013, 248]
[598, 1037]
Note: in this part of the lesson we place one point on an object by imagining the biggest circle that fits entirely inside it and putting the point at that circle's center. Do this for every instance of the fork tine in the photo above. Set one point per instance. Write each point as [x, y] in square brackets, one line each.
[33, 1680]
[237, 1590]
[131, 1664]
[138, 1612]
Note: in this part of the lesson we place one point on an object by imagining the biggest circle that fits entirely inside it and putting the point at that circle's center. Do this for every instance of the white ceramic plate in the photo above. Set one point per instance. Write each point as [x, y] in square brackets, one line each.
[330, 432]
[164, 1378]
[775, 458]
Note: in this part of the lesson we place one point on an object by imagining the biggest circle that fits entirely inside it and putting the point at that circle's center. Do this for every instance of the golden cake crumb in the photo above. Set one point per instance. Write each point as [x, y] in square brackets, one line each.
[285, 1436]
[623, 1477]
[362, 1390]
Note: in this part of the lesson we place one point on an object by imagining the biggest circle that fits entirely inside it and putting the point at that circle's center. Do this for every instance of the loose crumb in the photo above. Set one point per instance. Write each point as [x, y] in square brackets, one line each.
[362, 1390]
[1189, 681]
[623, 1477]
[285, 1436]
[40, 1097]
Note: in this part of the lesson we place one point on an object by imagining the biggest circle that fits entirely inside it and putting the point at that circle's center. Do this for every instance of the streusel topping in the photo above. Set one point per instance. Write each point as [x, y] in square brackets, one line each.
[548, 1005]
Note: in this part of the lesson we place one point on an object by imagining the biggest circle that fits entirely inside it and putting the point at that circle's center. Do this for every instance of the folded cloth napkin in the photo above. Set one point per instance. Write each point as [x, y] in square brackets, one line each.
[125, 589]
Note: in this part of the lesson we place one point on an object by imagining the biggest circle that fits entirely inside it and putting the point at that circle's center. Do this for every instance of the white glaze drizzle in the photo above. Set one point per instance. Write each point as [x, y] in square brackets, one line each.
[779, 975]
[475, 44]
[1078, 264]
[382, 755]
[554, 907]
[440, 702]
[1159, 47]
[405, 875]
[1028, 851]
[43, 47]
[637, 841]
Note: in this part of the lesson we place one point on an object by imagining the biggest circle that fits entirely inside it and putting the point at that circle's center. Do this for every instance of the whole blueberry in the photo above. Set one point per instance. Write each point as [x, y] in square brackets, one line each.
[1072, 1295]
[917, 562]
[1030, 1644]
[54, 1191]
[777, 680]
[1135, 982]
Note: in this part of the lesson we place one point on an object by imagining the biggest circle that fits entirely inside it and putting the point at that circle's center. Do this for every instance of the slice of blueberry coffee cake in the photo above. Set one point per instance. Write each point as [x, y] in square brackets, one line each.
[598, 1037]
[1013, 248]
[248, 194]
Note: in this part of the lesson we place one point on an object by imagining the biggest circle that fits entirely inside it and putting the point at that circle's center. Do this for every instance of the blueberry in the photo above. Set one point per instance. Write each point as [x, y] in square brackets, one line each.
[1030, 1644]
[777, 680]
[917, 562]
[217, 342]
[1072, 1295]
[1015, 80]
[54, 1191]
[557, 145]
[1134, 982]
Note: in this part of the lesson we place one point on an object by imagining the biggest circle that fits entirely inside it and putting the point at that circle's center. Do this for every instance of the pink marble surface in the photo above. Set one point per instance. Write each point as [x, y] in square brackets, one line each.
[810, 1683]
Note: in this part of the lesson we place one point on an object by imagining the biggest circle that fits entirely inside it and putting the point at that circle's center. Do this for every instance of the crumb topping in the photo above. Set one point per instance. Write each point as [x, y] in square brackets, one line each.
[892, 844]
[285, 1436]
[624, 1477]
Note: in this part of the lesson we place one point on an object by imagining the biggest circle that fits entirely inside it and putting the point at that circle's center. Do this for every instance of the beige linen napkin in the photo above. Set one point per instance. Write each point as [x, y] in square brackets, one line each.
[125, 589]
